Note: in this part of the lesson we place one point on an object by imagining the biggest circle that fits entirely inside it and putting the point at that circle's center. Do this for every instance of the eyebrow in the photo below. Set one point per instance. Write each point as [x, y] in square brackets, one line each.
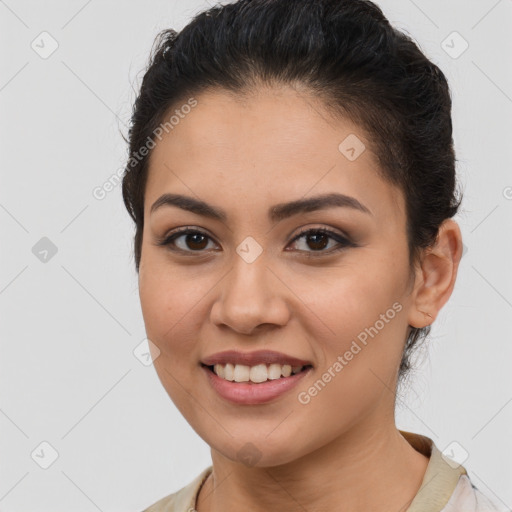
[276, 213]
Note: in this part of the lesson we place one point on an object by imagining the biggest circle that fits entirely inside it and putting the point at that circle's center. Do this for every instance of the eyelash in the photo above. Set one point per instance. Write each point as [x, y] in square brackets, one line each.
[343, 241]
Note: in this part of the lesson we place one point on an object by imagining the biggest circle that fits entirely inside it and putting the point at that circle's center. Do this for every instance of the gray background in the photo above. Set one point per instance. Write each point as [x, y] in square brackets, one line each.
[70, 324]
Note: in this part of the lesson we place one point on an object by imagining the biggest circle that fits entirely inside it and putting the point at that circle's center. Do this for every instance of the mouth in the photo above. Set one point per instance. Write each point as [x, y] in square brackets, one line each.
[258, 374]
[254, 385]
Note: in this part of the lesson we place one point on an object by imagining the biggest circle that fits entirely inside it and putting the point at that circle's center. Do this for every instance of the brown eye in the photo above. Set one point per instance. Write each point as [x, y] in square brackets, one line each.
[317, 239]
[195, 241]
[186, 240]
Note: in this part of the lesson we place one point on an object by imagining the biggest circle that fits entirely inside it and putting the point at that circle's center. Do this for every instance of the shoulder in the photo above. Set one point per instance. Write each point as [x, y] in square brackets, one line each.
[466, 496]
[183, 500]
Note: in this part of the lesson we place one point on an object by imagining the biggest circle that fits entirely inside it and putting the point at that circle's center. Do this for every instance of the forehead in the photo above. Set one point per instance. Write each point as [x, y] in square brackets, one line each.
[276, 144]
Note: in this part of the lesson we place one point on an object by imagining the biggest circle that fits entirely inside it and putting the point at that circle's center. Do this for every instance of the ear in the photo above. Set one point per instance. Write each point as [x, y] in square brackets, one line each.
[436, 275]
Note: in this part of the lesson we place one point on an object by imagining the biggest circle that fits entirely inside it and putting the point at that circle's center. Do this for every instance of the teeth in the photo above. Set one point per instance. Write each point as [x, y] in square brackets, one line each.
[241, 373]
[229, 371]
[274, 371]
[256, 374]
[221, 371]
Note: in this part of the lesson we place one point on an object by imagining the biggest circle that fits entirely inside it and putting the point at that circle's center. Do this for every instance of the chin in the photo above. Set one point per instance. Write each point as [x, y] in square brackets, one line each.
[257, 452]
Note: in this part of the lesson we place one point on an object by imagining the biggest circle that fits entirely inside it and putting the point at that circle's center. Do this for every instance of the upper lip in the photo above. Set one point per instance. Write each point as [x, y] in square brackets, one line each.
[253, 358]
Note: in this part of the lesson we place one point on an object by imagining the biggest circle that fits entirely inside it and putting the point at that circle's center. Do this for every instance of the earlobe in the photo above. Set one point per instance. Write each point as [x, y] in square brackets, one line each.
[429, 316]
[436, 279]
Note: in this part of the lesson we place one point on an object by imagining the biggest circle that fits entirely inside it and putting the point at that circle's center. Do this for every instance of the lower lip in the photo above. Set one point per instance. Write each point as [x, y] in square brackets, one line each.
[251, 393]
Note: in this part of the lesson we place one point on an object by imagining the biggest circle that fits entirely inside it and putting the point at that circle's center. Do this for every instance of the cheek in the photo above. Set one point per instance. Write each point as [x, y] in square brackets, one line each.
[173, 302]
[360, 358]
[156, 292]
[170, 302]
[165, 293]
[362, 317]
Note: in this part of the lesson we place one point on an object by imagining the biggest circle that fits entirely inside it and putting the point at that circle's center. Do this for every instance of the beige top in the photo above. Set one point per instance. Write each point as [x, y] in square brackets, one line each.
[446, 486]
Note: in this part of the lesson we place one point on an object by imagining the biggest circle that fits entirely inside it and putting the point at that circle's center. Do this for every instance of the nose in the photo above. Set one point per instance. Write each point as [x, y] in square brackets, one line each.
[251, 296]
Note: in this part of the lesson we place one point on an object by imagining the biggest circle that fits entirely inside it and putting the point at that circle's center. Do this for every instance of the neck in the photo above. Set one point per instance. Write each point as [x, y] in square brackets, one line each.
[338, 476]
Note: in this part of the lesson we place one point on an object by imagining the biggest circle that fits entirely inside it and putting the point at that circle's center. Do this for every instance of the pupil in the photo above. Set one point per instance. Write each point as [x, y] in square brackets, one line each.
[195, 236]
[318, 245]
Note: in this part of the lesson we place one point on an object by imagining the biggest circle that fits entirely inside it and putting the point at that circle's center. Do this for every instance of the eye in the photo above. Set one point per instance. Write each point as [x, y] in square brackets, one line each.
[193, 240]
[318, 240]
[188, 240]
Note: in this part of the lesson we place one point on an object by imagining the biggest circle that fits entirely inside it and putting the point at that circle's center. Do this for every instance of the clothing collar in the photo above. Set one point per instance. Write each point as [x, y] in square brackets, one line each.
[441, 476]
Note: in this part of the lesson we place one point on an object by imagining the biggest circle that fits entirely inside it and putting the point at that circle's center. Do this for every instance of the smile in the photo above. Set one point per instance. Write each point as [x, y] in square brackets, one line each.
[270, 381]
[255, 374]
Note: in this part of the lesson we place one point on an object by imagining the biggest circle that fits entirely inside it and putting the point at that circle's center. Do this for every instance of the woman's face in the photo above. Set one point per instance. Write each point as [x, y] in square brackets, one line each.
[249, 282]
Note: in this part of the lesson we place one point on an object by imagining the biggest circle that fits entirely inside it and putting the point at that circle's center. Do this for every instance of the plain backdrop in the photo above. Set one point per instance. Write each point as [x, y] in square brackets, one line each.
[75, 393]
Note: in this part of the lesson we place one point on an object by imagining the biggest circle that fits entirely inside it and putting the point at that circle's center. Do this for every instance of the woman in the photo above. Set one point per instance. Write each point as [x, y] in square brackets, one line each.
[292, 182]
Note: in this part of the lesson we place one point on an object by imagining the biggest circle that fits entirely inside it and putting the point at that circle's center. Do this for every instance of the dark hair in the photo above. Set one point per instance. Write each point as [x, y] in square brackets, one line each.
[343, 52]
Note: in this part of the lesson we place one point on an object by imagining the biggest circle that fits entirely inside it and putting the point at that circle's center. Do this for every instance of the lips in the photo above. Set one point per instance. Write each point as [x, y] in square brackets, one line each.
[253, 358]
[250, 393]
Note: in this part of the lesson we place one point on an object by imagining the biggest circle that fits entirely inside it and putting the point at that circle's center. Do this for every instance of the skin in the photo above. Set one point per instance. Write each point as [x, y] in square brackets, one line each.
[244, 156]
